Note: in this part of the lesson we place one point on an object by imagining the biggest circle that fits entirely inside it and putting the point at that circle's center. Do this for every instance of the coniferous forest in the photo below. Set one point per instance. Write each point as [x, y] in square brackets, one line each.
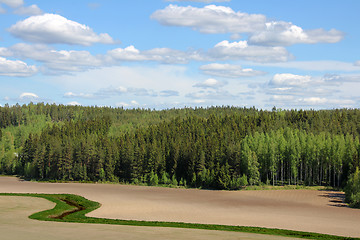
[216, 148]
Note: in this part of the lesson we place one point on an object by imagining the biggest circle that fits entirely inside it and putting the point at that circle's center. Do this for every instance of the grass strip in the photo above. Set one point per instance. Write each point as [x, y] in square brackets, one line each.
[78, 207]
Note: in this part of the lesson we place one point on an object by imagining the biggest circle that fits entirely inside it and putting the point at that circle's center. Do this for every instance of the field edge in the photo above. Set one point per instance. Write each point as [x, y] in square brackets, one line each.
[73, 208]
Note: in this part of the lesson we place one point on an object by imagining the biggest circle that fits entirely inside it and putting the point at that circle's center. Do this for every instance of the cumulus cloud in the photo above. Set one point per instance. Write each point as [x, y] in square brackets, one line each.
[118, 91]
[357, 63]
[79, 95]
[19, 8]
[325, 66]
[288, 79]
[13, 3]
[5, 52]
[290, 90]
[282, 98]
[129, 53]
[73, 103]
[163, 55]
[27, 95]
[210, 83]
[241, 50]
[210, 19]
[290, 101]
[55, 62]
[219, 19]
[210, 95]
[16, 68]
[30, 10]
[310, 101]
[229, 70]
[53, 28]
[335, 78]
[286, 83]
[132, 104]
[285, 34]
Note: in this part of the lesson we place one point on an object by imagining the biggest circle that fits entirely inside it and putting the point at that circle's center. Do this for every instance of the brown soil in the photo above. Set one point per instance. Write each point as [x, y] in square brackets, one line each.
[15, 225]
[304, 210]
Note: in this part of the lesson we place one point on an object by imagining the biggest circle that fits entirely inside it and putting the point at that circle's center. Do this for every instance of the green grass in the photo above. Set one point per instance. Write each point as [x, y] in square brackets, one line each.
[63, 200]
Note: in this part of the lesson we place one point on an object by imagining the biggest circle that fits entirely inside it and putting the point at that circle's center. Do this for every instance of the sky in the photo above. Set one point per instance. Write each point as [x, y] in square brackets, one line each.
[162, 54]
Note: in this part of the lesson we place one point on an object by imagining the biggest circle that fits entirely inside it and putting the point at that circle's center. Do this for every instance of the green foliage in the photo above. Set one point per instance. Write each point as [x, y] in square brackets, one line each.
[153, 179]
[243, 181]
[217, 148]
[165, 178]
[352, 190]
[174, 182]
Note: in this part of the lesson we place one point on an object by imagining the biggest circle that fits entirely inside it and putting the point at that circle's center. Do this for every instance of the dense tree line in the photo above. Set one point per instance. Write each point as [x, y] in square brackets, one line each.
[218, 147]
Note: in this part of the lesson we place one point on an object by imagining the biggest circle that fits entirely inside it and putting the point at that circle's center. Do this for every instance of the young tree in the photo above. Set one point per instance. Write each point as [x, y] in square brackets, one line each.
[352, 190]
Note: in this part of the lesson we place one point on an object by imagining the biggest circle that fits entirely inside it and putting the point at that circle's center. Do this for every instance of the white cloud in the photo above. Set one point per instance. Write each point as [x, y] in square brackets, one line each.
[210, 83]
[30, 10]
[122, 104]
[144, 83]
[53, 28]
[74, 103]
[55, 62]
[2, 10]
[167, 55]
[357, 63]
[309, 86]
[282, 98]
[285, 34]
[204, 1]
[94, 5]
[310, 101]
[210, 94]
[111, 91]
[210, 19]
[241, 50]
[13, 3]
[163, 55]
[16, 68]
[328, 91]
[288, 79]
[132, 104]
[291, 101]
[168, 93]
[5, 52]
[219, 19]
[129, 53]
[313, 65]
[119, 91]
[26, 96]
[78, 95]
[229, 70]
[341, 78]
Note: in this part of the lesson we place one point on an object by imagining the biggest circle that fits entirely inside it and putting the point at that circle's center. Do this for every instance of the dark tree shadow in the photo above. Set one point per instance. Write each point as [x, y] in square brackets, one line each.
[336, 199]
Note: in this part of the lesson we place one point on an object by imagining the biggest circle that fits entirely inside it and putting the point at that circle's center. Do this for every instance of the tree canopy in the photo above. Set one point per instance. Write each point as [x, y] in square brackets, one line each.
[218, 147]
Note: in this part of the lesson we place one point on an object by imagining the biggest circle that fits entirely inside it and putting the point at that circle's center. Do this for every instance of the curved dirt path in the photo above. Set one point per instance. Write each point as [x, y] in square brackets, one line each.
[303, 210]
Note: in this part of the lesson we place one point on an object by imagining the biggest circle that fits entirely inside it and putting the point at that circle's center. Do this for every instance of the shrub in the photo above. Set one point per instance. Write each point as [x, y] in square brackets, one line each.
[352, 189]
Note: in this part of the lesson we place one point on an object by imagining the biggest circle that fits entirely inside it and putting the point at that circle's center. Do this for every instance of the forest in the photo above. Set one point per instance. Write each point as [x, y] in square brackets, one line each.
[214, 148]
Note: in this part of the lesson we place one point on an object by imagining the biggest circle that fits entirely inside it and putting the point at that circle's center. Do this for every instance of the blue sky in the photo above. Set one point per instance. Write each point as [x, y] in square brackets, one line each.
[166, 53]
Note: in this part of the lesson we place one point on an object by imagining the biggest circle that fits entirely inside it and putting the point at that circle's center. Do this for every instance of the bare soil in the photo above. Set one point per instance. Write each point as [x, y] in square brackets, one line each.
[303, 210]
[15, 225]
